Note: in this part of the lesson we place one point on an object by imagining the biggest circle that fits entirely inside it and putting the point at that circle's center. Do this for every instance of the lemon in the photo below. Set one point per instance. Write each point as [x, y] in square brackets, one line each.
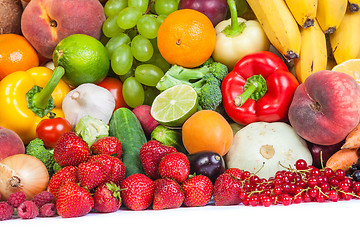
[351, 67]
[84, 58]
[175, 105]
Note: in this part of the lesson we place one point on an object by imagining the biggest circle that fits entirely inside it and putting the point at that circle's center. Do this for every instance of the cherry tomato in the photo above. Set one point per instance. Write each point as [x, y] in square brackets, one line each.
[50, 130]
[114, 85]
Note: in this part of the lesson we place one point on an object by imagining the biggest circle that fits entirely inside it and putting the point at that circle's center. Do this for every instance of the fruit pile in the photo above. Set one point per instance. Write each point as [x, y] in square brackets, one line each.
[161, 104]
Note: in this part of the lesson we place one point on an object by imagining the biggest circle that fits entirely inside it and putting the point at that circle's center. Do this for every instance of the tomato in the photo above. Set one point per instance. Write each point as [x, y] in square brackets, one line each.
[50, 130]
[114, 85]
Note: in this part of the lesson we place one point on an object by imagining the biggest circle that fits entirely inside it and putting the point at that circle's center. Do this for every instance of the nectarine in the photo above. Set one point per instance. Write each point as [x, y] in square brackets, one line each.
[45, 23]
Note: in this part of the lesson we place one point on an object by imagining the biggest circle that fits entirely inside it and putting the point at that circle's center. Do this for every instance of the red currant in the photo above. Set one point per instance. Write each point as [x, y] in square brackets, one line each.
[286, 199]
[301, 164]
[340, 174]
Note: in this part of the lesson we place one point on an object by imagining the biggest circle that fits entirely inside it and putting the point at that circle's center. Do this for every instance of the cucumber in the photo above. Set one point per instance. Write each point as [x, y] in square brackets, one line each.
[125, 126]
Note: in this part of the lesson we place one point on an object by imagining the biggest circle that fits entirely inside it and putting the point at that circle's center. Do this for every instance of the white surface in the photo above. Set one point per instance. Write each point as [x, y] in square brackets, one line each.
[313, 221]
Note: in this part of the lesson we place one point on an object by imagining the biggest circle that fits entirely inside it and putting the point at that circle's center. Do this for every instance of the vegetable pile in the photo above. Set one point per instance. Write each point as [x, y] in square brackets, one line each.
[143, 117]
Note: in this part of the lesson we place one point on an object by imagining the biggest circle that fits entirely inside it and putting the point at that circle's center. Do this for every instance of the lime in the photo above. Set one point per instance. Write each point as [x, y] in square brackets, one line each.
[84, 58]
[351, 67]
[175, 105]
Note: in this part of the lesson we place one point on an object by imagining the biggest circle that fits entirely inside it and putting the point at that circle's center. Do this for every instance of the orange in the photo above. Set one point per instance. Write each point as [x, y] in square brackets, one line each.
[186, 38]
[207, 130]
[16, 54]
[351, 67]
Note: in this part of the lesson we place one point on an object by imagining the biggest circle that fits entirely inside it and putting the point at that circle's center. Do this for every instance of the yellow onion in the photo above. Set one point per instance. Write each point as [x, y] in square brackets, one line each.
[24, 173]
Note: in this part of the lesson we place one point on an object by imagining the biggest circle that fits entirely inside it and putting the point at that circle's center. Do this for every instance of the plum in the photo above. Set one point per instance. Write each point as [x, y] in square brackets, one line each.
[10, 143]
[324, 152]
[215, 10]
[207, 163]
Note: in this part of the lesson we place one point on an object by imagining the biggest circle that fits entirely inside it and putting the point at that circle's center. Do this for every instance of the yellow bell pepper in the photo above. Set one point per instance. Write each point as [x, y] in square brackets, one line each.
[23, 104]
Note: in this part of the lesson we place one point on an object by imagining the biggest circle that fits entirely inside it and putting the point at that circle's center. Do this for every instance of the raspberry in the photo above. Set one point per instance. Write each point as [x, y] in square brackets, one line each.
[6, 211]
[17, 198]
[28, 210]
[42, 198]
[47, 210]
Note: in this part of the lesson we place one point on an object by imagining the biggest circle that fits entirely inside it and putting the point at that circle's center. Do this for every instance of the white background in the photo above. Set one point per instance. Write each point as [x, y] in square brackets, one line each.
[313, 221]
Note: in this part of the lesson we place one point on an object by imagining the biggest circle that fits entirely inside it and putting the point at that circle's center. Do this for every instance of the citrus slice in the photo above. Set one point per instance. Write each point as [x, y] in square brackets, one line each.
[175, 105]
[351, 67]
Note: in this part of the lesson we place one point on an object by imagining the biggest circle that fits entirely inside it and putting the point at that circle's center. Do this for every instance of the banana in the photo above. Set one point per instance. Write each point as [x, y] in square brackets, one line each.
[345, 40]
[330, 13]
[279, 26]
[313, 52]
[304, 11]
[354, 5]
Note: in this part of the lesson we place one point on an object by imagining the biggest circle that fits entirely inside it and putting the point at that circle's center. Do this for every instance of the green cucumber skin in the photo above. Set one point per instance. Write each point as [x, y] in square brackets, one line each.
[125, 126]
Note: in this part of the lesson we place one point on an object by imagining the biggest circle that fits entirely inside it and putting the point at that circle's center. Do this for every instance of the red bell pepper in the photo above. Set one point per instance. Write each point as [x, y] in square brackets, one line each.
[259, 88]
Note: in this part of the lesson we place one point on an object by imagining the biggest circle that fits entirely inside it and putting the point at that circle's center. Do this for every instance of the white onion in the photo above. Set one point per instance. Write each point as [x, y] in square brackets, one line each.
[22, 172]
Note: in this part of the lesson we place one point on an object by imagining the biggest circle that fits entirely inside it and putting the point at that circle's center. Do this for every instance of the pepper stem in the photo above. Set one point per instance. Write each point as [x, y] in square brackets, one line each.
[40, 99]
[254, 88]
[235, 28]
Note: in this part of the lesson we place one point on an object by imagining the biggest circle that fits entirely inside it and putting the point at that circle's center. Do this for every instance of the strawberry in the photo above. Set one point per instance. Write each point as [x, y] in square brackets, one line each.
[91, 174]
[167, 194]
[71, 150]
[73, 201]
[107, 145]
[107, 198]
[175, 166]
[151, 154]
[198, 191]
[227, 190]
[66, 174]
[236, 172]
[115, 168]
[137, 191]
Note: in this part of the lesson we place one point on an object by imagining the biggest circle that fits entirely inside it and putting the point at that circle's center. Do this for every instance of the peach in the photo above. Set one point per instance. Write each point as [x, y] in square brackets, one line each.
[326, 107]
[45, 23]
[10, 143]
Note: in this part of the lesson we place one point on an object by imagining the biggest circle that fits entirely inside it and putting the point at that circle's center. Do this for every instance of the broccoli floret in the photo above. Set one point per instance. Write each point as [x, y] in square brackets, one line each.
[37, 149]
[219, 70]
[56, 167]
[208, 76]
[210, 96]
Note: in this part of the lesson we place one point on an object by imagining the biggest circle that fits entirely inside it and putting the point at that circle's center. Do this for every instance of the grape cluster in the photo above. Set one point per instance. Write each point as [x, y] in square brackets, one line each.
[302, 184]
[354, 170]
[131, 28]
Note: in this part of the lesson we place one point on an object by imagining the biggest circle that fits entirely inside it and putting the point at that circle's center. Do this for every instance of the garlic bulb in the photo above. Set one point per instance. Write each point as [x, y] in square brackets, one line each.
[88, 99]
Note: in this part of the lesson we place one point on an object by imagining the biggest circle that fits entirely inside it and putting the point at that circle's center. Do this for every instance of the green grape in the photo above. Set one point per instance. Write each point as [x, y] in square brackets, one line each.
[150, 94]
[113, 7]
[132, 33]
[122, 59]
[148, 26]
[158, 60]
[148, 74]
[115, 42]
[160, 18]
[130, 73]
[141, 48]
[110, 27]
[154, 44]
[140, 4]
[165, 7]
[128, 17]
[133, 92]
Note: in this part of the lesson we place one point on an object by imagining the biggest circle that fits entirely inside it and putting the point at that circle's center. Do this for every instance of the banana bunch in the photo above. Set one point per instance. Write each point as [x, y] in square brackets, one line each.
[312, 34]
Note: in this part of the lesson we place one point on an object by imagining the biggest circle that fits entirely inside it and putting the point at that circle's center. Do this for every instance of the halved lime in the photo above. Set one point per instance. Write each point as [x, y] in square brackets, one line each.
[175, 105]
